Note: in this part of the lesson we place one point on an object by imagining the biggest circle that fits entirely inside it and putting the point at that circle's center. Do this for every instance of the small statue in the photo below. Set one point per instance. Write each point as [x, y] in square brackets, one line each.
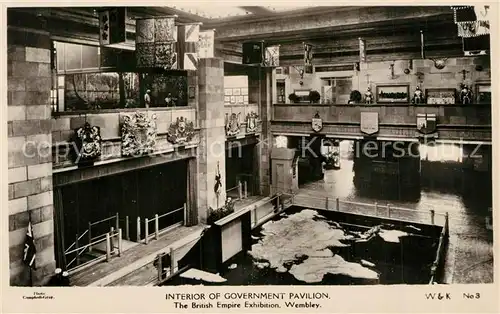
[369, 96]
[147, 98]
[418, 96]
[465, 94]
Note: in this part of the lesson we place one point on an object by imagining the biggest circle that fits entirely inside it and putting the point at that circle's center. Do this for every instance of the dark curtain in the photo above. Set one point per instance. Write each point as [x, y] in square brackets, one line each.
[59, 229]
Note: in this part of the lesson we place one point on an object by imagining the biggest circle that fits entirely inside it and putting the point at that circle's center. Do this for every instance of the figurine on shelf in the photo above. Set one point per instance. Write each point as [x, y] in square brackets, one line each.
[147, 98]
[369, 96]
[418, 96]
[465, 95]
[170, 101]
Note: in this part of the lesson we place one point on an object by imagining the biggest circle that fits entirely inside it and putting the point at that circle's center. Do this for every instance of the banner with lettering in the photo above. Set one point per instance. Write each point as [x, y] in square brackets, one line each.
[112, 26]
[206, 44]
[308, 57]
[271, 56]
[188, 37]
[156, 42]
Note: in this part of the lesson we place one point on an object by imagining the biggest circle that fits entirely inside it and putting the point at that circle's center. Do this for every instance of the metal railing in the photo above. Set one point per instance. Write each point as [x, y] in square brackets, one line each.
[78, 249]
[156, 221]
[241, 188]
[372, 210]
[445, 232]
[107, 238]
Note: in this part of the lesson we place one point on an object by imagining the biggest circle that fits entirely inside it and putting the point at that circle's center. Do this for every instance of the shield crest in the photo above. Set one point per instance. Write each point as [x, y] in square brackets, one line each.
[369, 122]
[251, 122]
[233, 124]
[426, 123]
[88, 143]
[317, 123]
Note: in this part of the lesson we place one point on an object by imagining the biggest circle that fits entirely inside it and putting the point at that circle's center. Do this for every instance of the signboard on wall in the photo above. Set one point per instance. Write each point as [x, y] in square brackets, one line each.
[369, 122]
[112, 26]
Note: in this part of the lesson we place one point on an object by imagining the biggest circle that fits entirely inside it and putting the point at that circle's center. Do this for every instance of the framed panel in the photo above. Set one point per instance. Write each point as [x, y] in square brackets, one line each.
[228, 91]
[227, 99]
[245, 99]
[389, 94]
[236, 91]
[244, 91]
[233, 99]
[239, 99]
[483, 93]
[440, 96]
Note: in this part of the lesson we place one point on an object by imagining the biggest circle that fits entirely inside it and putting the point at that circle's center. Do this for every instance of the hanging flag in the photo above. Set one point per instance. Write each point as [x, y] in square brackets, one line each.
[362, 50]
[308, 57]
[272, 56]
[112, 26]
[29, 255]
[473, 28]
[253, 52]
[156, 42]
[206, 44]
[187, 42]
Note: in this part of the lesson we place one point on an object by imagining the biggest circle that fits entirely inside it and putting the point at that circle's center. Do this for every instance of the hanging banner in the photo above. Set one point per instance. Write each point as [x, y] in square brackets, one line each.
[362, 50]
[253, 52]
[463, 14]
[156, 42]
[473, 29]
[188, 37]
[112, 26]
[271, 56]
[308, 57]
[206, 44]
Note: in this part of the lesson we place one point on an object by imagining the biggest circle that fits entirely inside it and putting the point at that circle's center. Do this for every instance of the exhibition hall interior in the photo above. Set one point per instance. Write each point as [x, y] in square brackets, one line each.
[249, 145]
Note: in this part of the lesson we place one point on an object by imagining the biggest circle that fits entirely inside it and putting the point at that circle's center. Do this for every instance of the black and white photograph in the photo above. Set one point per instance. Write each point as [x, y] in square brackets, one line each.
[157, 146]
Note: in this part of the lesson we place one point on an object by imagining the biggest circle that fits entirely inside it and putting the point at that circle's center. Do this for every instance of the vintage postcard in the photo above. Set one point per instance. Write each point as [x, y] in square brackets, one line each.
[250, 157]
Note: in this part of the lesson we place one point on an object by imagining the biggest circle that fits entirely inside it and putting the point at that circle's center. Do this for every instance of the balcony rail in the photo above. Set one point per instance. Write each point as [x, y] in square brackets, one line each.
[156, 221]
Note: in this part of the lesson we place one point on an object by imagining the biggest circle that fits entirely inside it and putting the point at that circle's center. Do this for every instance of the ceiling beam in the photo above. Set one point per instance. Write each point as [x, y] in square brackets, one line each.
[333, 21]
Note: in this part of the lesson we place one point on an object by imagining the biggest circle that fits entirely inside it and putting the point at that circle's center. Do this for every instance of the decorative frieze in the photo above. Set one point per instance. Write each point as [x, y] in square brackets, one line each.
[233, 126]
[88, 143]
[138, 134]
[252, 122]
[181, 131]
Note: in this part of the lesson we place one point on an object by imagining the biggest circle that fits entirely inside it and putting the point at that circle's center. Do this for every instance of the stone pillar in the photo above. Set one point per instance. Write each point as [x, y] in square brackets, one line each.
[212, 135]
[284, 176]
[30, 154]
[259, 86]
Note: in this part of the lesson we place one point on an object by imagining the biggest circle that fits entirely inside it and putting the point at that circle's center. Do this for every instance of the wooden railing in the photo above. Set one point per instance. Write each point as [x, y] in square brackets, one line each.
[77, 249]
[156, 221]
[241, 188]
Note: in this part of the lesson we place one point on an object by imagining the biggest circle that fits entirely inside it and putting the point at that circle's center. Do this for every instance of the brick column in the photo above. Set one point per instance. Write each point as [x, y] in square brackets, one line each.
[211, 149]
[30, 153]
[259, 86]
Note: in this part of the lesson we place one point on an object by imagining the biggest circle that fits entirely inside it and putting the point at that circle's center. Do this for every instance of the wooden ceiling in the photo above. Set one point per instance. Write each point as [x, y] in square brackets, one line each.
[333, 30]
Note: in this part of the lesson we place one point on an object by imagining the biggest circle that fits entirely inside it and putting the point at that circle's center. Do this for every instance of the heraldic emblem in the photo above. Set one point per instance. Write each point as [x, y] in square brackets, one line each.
[317, 123]
[426, 123]
[180, 131]
[138, 134]
[251, 122]
[233, 124]
[88, 143]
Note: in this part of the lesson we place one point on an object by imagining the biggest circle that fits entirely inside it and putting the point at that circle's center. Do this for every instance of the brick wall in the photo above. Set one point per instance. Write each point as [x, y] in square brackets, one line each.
[29, 153]
[211, 111]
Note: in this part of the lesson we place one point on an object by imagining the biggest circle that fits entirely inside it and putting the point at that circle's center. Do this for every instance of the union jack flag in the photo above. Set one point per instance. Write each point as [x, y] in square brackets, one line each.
[29, 248]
